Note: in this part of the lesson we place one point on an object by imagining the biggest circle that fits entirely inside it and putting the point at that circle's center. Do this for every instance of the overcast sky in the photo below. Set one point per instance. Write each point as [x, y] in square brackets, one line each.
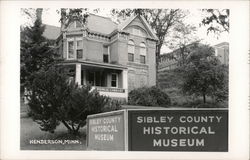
[50, 16]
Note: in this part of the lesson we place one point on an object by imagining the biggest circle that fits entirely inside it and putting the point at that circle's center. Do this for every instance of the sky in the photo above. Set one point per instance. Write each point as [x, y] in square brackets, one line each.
[51, 17]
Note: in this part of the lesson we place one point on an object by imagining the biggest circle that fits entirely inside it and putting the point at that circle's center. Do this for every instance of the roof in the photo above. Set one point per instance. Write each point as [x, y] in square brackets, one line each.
[51, 32]
[176, 50]
[222, 44]
[128, 21]
[99, 24]
[96, 64]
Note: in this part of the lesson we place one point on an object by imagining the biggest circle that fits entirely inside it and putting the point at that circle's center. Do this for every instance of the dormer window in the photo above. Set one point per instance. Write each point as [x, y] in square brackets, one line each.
[131, 51]
[75, 24]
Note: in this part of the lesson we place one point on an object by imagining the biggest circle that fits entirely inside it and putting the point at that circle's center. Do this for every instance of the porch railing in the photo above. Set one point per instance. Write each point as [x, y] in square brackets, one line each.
[107, 89]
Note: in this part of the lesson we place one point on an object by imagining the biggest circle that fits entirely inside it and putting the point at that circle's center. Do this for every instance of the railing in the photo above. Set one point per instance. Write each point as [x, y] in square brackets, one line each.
[107, 89]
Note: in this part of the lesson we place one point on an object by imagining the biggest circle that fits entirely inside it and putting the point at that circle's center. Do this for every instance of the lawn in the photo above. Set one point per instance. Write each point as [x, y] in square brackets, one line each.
[30, 131]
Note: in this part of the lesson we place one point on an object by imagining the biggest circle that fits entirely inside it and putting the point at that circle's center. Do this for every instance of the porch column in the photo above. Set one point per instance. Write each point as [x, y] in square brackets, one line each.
[78, 74]
[125, 82]
[84, 77]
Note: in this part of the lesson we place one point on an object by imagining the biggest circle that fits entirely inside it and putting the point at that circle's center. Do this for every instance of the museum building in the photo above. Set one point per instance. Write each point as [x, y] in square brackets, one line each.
[112, 58]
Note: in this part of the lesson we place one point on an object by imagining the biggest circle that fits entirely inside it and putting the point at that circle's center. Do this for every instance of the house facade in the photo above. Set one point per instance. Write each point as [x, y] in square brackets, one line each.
[112, 58]
[222, 52]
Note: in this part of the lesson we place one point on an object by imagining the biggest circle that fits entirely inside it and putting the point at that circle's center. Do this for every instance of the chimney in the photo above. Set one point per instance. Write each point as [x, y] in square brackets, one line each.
[39, 12]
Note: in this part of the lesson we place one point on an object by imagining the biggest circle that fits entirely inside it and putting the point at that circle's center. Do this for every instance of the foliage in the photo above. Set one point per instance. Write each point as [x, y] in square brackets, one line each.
[203, 74]
[36, 51]
[181, 40]
[170, 78]
[217, 20]
[68, 15]
[112, 105]
[148, 96]
[54, 99]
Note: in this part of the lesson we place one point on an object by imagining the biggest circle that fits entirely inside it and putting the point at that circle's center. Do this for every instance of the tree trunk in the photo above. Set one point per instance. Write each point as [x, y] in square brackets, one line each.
[204, 98]
[157, 59]
[67, 126]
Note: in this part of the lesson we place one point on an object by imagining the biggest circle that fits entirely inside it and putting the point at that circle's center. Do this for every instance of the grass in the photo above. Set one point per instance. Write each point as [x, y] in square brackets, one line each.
[179, 100]
[30, 131]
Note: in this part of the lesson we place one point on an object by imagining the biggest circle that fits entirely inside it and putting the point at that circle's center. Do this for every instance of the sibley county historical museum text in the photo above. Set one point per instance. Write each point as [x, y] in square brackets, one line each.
[159, 130]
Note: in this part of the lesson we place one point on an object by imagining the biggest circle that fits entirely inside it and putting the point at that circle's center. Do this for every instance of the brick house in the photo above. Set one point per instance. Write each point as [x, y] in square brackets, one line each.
[112, 58]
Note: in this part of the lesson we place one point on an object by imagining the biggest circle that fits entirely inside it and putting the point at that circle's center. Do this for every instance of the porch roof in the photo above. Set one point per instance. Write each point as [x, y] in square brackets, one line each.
[95, 64]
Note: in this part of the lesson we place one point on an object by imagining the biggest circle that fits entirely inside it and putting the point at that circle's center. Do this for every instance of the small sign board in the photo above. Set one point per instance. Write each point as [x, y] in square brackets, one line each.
[178, 130]
[106, 131]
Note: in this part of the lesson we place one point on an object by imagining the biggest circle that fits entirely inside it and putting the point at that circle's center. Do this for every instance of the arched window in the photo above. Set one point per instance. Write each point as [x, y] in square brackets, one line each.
[143, 53]
[131, 50]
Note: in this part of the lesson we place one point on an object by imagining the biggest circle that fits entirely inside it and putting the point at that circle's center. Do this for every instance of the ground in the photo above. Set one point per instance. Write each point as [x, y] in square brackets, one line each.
[30, 131]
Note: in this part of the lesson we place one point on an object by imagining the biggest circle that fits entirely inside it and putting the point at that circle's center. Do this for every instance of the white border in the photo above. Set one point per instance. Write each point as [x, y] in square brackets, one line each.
[239, 78]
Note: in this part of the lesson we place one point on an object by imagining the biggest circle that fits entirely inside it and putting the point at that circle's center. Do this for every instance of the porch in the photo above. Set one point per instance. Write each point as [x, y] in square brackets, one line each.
[109, 79]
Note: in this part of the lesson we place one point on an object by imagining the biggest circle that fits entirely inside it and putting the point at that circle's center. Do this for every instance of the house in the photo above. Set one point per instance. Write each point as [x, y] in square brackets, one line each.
[169, 61]
[222, 52]
[113, 58]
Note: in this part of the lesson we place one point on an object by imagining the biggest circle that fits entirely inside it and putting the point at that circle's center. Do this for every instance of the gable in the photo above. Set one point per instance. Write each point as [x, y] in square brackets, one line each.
[136, 26]
[140, 23]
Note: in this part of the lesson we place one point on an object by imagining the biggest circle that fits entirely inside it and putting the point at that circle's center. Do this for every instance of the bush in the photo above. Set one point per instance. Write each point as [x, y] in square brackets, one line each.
[145, 96]
[54, 100]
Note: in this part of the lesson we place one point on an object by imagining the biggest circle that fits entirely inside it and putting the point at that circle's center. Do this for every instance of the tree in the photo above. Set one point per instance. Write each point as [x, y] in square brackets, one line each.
[36, 51]
[69, 15]
[161, 21]
[203, 75]
[216, 20]
[181, 40]
[55, 99]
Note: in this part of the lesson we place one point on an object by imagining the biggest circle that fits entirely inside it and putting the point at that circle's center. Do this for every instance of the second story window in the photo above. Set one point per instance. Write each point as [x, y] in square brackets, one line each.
[79, 47]
[106, 54]
[142, 53]
[70, 50]
[131, 51]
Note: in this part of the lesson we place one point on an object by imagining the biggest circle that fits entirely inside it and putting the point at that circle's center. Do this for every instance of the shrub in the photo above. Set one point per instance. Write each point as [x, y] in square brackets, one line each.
[53, 99]
[148, 96]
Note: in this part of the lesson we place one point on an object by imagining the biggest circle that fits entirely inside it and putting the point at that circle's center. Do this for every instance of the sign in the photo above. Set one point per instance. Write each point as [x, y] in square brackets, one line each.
[178, 130]
[106, 131]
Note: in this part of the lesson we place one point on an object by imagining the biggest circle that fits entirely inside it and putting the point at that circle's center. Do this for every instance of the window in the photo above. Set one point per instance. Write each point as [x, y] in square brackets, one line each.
[142, 53]
[131, 50]
[78, 24]
[130, 57]
[114, 82]
[137, 31]
[79, 47]
[142, 59]
[106, 54]
[70, 49]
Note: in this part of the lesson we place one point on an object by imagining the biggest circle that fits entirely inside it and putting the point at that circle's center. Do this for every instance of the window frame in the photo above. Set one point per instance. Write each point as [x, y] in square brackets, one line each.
[108, 54]
[116, 80]
[144, 59]
[68, 41]
[143, 52]
[81, 48]
[131, 44]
